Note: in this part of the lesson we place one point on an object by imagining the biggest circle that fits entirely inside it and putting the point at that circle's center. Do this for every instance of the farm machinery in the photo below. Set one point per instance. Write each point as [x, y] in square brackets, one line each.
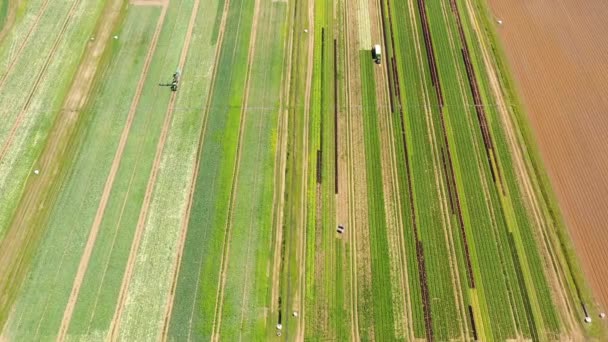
[173, 83]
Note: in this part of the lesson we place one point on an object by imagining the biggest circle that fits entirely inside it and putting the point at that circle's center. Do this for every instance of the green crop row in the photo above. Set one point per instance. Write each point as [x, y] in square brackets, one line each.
[247, 282]
[382, 300]
[197, 287]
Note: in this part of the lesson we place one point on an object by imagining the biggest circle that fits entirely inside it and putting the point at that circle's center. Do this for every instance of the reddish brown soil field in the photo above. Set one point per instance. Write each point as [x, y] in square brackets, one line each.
[558, 52]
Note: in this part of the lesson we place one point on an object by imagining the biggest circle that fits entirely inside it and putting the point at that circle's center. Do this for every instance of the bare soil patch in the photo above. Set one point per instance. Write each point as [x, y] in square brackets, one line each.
[557, 51]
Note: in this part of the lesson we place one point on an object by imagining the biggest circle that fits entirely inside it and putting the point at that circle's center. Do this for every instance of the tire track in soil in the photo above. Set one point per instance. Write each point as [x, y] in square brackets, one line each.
[24, 42]
[22, 234]
[84, 261]
[7, 144]
[192, 188]
[217, 319]
[115, 324]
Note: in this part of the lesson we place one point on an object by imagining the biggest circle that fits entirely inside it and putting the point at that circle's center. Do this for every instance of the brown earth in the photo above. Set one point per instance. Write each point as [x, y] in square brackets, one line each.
[557, 51]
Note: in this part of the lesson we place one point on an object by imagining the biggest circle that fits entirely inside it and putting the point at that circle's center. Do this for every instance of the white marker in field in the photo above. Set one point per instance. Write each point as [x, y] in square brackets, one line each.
[36, 171]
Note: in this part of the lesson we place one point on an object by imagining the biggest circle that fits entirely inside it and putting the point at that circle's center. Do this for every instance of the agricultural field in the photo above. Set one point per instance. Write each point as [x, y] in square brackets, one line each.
[245, 170]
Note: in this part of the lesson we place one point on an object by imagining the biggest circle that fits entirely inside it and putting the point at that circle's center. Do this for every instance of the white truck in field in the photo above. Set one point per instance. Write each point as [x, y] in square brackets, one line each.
[377, 53]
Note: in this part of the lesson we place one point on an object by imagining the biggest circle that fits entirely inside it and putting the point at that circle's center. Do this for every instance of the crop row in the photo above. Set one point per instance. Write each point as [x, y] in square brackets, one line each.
[199, 277]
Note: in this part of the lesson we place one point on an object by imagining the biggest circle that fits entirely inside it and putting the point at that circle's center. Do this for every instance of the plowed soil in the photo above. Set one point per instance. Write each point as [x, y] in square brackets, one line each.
[558, 52]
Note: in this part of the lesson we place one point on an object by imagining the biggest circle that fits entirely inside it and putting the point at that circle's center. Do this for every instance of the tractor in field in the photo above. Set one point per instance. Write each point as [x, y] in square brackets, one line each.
[173, 83]
[377, 53]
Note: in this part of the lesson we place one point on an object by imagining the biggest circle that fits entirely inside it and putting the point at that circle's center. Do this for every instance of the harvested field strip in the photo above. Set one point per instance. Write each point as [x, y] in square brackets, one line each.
[199, 273]
[382, 298]
[38, 311]
[23, 140]
[246, 285]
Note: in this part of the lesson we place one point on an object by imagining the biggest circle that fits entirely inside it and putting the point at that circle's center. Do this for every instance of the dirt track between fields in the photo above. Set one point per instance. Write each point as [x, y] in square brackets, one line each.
[558, 51]
[84, 261]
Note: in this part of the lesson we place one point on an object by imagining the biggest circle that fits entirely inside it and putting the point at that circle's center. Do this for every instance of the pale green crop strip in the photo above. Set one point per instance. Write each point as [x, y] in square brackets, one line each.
[23, 146]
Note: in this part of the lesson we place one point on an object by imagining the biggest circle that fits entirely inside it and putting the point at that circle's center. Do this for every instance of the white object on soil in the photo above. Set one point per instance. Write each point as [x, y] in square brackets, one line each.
[36, 171]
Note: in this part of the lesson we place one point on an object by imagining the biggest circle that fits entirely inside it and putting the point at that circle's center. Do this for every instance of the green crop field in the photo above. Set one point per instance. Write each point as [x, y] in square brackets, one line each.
[287, 188]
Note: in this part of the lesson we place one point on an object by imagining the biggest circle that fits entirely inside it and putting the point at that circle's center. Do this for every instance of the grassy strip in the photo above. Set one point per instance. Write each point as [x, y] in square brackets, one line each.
[199, 272]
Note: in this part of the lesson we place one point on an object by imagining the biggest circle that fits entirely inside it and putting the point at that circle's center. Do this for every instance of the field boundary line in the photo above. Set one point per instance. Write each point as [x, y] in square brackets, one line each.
[84, 261]
[143, 215]
[193, 181]
[217, 316]
[26, 105]
[32, 29]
